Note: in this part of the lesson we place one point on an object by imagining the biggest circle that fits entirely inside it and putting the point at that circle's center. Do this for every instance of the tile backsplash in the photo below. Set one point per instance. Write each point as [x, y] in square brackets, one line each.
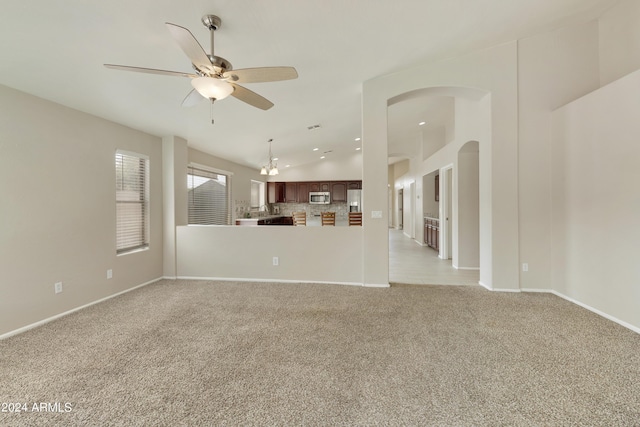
[340, 208]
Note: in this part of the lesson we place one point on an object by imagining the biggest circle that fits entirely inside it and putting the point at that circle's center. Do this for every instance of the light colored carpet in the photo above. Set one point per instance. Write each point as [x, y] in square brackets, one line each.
[214, 353]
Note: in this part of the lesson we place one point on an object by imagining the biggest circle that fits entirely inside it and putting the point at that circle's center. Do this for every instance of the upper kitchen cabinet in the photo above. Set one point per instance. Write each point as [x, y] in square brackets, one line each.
[290, 191]
[338, 191]
[303, 192]
[275, 192]
[298, 192]
[319, 186]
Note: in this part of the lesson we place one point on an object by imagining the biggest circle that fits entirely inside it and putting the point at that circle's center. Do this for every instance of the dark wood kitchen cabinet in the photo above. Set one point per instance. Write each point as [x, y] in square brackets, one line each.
[432, 232]
[303, 192]
[338, 191]
[290, 191]
[298, 192]
[275, 192]
[319, 186]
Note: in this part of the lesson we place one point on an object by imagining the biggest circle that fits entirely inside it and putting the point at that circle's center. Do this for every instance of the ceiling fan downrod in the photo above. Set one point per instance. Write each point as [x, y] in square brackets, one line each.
[212, 22]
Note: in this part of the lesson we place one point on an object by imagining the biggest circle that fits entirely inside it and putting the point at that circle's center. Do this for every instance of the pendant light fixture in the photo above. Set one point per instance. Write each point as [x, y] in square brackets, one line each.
[271, 168]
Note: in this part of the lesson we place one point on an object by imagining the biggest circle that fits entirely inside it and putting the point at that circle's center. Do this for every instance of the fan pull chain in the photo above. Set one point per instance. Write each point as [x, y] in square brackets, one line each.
[211, 110]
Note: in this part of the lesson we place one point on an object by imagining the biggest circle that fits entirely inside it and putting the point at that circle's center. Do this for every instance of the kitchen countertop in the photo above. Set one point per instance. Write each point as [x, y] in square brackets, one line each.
[258, 218]
[312, 221]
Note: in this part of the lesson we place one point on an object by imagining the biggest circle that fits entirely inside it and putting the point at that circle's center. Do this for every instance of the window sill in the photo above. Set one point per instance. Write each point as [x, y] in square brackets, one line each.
[133, 251]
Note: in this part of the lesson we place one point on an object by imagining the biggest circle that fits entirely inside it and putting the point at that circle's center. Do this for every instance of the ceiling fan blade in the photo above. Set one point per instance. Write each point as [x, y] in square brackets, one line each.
[250, 97]
[262, 74]
[193, 98]
[190, 47]
[150, 70]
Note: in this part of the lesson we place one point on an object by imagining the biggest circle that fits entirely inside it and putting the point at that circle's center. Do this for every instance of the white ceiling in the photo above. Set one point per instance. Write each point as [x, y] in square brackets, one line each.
[55, 50]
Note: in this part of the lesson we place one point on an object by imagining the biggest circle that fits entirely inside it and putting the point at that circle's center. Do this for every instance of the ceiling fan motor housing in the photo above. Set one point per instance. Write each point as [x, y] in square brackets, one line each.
[212, 22]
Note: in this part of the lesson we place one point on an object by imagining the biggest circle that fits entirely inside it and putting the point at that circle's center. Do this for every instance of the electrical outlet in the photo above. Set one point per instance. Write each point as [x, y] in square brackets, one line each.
[376, 214]
[57, 287]
[109, 273]
[276, 261]
[525, 266]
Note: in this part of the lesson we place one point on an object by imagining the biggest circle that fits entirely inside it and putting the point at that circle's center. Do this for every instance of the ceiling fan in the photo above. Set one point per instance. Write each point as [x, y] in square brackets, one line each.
[214, 77]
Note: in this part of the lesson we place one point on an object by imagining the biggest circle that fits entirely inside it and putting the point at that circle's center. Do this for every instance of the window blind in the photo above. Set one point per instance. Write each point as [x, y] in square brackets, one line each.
[257, 194]
[132, 202]
[208, 197]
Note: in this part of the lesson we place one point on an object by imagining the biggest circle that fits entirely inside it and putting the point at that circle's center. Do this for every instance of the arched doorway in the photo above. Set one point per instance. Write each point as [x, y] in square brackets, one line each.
[441, 149]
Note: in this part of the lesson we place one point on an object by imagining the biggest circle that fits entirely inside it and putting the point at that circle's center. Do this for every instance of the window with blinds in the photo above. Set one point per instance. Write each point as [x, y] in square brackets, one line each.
[257, 194]
[132, 202]
[208, 197]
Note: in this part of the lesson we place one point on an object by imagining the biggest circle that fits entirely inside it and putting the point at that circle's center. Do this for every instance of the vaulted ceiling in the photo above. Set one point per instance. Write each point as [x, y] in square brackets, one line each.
[56, 50]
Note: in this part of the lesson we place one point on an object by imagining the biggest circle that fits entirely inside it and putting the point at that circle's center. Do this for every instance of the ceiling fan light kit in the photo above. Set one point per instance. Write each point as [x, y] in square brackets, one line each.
[212, 88]
[214, 78]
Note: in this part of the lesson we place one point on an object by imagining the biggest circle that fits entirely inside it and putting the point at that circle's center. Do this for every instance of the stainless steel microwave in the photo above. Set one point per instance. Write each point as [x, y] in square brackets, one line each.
[319, 197]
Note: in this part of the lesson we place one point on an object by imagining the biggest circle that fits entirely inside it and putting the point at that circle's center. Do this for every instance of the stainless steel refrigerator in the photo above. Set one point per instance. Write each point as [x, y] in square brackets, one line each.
[354, 200]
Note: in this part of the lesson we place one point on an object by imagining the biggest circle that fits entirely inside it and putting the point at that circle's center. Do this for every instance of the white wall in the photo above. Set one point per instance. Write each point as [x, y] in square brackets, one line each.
[468, 174]
[58, 223]
[433, 140]
[344, 167]
[619, 41]
[554, 68]
[315, 254]
[596, 200]
[174, 196]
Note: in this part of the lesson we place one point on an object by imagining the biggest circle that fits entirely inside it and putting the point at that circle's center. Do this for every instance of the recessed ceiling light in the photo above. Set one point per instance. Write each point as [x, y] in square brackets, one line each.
[357, 139]
[288, 166]
[322, 157]
[422, 123]
[315, 149]
[358, 149]
[275, 158]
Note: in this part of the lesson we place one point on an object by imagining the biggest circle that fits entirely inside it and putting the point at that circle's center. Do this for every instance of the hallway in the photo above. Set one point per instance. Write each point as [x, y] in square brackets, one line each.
[419, 265]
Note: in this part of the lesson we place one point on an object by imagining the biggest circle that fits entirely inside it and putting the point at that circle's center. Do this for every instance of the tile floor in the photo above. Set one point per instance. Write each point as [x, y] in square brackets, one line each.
[419, 265]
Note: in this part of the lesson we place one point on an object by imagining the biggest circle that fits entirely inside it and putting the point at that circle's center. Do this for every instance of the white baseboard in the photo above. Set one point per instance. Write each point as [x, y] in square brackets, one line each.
[376, 285]
[489, 288]
[468, 268]
[242, 279]
[598, 312]
[57, 316]
[583, 305]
